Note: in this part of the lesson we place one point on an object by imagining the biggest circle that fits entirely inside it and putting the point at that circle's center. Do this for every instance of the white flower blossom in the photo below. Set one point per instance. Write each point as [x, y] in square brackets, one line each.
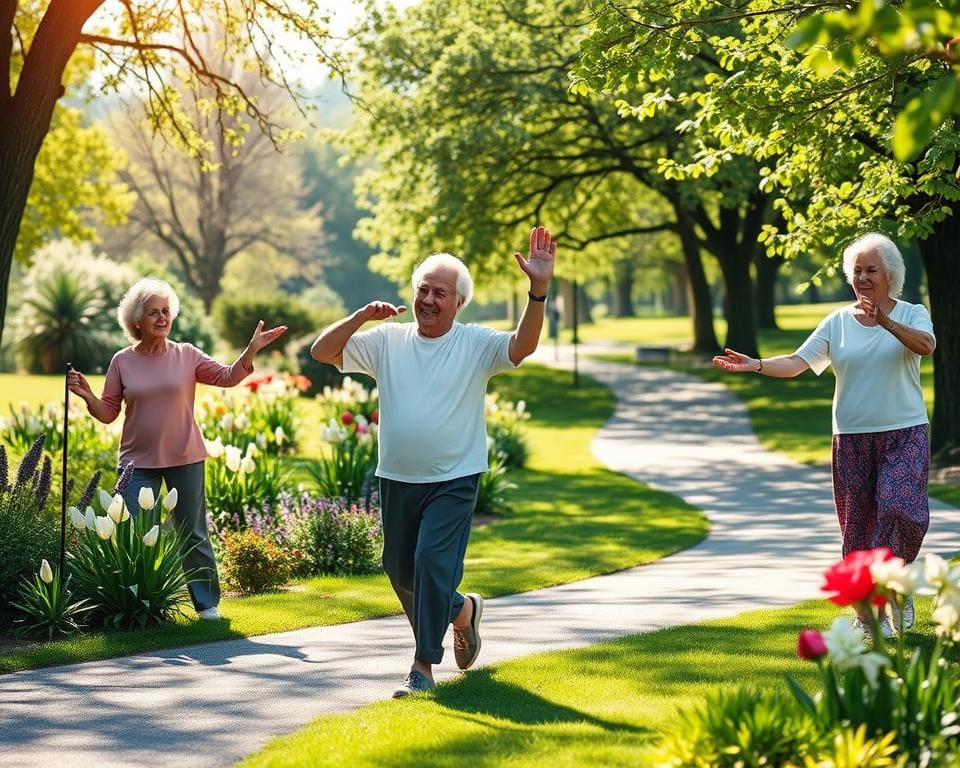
[77, 519]
[897, 576]
[214, 448]
[844, 642]
[279, 435]
[145, 498]
[105, 499]
[248, 465]
[117, 511]
[89, 518]
[226, 422]
[241, 421]
[105, 527]
[233, 458]
[170, 500]
[150, 537]
[46, 574]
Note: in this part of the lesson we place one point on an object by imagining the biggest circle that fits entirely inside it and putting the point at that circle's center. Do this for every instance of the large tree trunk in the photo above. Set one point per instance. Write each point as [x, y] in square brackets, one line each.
[698, 297]
[25, 114]
[678, 294]
[765, 289]
[739, 309]
[939, 253]
[622, 289]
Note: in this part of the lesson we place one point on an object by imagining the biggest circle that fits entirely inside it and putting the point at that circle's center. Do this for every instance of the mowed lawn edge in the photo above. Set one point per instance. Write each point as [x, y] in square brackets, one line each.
[570, 519]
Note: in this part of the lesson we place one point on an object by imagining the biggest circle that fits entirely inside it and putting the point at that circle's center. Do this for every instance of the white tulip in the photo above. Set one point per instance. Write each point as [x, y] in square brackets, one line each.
[248, 465]
[145, 497]
[242, 421]
[226, 422]
[279, 435]
[214, 448]
[105, 499]
[170, 500]
[105, 527]
[46, 575]
[233, 458]
[76, 519]
[252, 450]
[116, 511]
[89, 517]
[151, 536]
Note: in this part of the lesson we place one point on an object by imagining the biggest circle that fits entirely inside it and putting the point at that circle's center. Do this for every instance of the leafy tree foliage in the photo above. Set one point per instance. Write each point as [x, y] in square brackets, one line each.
[144, 45]
[823, 134]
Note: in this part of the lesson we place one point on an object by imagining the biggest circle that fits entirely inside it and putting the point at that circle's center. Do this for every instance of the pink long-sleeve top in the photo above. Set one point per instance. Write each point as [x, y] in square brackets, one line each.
[159, 428]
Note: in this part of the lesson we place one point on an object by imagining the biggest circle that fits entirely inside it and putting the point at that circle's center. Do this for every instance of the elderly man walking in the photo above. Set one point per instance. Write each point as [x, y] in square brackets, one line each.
[432, 377]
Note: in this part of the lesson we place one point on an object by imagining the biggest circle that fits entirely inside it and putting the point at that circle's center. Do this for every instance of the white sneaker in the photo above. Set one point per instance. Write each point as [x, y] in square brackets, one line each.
[209, 614]
[909, 614]
[885, 629]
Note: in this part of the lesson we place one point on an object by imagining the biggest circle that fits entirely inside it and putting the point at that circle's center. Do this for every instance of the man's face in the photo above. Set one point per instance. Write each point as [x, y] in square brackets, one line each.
[436, 303]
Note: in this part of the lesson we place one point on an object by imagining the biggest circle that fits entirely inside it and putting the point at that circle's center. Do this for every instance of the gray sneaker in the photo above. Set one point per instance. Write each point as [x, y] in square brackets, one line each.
[415, 682]
[466, 641]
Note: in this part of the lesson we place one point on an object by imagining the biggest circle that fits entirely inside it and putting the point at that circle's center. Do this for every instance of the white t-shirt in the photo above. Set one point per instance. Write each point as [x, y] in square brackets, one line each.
[878, 378]
[432, 425]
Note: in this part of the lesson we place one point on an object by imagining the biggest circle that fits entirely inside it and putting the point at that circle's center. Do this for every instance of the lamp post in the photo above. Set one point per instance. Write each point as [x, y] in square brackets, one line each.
[63, 473]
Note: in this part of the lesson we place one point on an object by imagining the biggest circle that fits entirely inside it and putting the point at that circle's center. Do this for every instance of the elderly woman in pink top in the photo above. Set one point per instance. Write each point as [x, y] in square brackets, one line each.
[156, 378]
[881, 450]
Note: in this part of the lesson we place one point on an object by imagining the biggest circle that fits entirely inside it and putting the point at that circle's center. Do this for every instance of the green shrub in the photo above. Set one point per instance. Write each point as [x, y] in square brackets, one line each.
[493, 488]
[130, 568]
[345, 469]
[29, 531]
[337, 538]
[740, 728]
[505, 427]
[237, 315]
[252, 564]
[66, 311]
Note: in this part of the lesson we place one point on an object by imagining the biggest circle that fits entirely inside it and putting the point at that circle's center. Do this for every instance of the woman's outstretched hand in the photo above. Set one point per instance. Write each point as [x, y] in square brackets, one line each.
[734, 362]
[262, 338]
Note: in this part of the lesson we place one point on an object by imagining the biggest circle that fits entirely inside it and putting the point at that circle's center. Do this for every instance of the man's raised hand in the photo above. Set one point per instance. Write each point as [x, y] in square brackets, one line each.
[538, 266]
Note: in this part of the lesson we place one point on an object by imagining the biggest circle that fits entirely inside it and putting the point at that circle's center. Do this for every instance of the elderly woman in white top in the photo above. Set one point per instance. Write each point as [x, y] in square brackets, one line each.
[880, 442]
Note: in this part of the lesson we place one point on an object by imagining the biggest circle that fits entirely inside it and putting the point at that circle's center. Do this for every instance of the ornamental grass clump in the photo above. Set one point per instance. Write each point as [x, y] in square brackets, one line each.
[238, 479]
[131, 568]
[47, 606]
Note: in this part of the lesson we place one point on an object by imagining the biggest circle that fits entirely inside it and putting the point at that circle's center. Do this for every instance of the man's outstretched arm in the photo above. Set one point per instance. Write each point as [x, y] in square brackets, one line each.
[539, 268]
[328, 348]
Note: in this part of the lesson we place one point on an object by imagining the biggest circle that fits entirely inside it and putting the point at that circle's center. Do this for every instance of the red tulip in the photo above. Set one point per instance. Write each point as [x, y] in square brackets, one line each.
[346, 418]
[810, 645]
[375, 416]
[850, 579]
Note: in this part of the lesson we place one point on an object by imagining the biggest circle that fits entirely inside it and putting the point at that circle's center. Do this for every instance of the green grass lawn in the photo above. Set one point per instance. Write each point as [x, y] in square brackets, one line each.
[603, 705]
[571, 519]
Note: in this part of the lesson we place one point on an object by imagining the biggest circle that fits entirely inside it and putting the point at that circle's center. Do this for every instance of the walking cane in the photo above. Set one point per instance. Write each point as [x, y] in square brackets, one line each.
[63, 474]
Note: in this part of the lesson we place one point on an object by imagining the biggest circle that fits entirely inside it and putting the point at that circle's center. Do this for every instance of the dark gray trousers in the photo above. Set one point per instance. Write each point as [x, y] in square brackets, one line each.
[190, 517]
[426, 527]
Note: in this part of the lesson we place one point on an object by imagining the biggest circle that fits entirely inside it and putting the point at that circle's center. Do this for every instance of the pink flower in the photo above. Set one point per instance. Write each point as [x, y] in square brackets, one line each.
[851, 580]
[810, 645]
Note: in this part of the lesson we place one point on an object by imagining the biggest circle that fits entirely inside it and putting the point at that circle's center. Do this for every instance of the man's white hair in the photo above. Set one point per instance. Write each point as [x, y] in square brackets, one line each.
[889, 254]
[436, 261]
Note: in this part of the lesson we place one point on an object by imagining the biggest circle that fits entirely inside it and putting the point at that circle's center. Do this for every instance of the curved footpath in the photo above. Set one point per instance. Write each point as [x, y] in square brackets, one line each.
[773, 532]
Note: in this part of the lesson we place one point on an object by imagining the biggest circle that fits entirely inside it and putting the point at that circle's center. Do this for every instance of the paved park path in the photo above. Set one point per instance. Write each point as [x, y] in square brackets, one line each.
[773, 531]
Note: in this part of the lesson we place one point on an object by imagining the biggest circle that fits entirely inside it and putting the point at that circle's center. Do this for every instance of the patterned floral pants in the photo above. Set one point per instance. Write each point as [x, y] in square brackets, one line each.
[880, 489]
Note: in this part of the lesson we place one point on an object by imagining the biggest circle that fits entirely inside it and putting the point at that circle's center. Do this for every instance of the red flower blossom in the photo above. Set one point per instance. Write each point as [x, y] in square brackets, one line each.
[850, 579]
[375, 416]
[810, 645]
[346, 418]
[253, 385]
